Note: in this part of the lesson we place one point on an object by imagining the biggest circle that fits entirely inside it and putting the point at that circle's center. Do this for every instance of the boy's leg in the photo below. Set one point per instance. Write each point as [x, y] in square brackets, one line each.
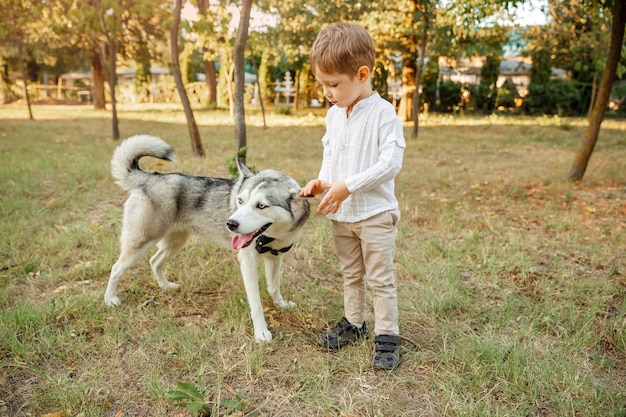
[350, 258]
[378, 239]
[378, 242]
[352, 326]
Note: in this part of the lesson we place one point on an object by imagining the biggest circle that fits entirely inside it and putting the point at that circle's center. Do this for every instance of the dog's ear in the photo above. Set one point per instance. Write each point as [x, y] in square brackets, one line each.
[302, 202]
[244, 171]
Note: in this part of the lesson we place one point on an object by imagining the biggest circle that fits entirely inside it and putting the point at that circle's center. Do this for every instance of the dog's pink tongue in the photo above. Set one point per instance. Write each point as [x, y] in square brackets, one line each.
[240, 241]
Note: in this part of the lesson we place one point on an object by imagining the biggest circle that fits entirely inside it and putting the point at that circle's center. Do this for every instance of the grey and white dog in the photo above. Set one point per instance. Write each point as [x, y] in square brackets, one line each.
[259, 215]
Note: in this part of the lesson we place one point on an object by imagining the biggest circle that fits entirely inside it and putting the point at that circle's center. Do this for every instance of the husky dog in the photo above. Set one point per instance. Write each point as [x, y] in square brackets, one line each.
[259, 215]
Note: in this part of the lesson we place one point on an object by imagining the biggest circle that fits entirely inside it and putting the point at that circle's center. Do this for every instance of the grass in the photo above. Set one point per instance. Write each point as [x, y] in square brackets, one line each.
[511, 280]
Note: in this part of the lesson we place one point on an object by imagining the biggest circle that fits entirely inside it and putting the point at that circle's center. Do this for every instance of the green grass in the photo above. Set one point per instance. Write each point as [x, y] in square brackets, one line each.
[511, 280]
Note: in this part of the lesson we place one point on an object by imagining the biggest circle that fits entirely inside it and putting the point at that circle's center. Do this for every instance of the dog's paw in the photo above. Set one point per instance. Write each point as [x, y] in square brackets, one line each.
[287, 304]
[263, 335]
[169, 286]
[112, 301]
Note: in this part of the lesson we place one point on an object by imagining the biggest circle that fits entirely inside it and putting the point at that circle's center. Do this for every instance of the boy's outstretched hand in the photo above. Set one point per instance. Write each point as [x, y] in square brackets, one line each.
[336, 194]
[314, 187]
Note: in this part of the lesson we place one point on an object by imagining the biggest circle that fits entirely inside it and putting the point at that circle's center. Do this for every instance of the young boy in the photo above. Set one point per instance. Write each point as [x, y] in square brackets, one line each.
[363, 149]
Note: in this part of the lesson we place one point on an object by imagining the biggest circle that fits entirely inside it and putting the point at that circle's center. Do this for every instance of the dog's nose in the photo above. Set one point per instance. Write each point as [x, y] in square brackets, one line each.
[232, 224]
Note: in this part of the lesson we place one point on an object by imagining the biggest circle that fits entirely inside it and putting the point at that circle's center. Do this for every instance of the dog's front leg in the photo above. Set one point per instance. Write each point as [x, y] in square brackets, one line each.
[273, 272]
[249, 263]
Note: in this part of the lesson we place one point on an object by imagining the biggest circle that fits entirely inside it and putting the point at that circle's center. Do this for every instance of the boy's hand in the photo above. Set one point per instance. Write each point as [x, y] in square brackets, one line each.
[337, 193]
[314, 187]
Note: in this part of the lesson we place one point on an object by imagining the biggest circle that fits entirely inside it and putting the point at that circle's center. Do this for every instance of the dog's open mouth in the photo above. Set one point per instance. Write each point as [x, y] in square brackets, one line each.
[240, 241]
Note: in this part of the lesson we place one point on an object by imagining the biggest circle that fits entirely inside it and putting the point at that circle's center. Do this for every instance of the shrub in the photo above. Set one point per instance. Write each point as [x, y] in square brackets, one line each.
[559, 97]
[449, 96]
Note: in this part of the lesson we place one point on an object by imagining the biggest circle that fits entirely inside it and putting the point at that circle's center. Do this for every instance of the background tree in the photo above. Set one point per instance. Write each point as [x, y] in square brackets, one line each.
[108, 25]
[240, 70]
[211, 29]
[194, 133]
[579, 166]
[14, 29]
[425, 9]
[80, 22]
[579, 32]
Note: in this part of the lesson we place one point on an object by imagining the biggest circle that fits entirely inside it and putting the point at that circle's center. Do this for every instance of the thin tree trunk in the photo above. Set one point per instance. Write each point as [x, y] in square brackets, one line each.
[98, 77]
[296, 90]
[194, 134]
[113, 83]
[230, 90]
[20, 53]
[112, 72]
[211, 82]
[209, 65]
[579, 166]
[238, 57]
[417, 95]
[594, 89]
[258, 87]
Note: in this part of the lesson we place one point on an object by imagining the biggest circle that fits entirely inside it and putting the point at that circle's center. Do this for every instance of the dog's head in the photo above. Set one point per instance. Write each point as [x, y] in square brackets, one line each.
[268, 202]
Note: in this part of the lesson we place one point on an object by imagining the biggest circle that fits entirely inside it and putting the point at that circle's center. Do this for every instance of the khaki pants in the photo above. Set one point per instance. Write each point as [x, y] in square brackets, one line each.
[366, 250]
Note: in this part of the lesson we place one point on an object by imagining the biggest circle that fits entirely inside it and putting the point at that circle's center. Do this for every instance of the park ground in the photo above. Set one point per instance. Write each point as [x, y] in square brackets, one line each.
[511, 280]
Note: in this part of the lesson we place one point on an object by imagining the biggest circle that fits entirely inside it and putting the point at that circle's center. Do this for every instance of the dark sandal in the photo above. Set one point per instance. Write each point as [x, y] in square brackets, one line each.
[386, 352]
[343, 333]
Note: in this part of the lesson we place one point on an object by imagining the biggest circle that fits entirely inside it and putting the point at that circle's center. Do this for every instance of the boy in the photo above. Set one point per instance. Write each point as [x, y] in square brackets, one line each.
[363, 149]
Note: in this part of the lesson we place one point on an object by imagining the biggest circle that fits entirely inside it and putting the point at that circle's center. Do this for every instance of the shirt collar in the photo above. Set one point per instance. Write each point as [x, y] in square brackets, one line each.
[364, 102]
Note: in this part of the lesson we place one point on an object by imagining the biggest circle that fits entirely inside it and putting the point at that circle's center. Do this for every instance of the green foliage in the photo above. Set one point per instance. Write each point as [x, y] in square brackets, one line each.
[482, 98]
[507, 94]
[430, 81]
[231, 163]
[490, 70]
[558, 97]
[380, 78]
[619, 93]
[541, 70]
[193, 396]
[283, 110]
[449, 96]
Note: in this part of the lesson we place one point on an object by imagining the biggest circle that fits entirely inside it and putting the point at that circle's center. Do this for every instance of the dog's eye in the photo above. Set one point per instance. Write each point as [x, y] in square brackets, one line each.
[240, 201]
[261, 206]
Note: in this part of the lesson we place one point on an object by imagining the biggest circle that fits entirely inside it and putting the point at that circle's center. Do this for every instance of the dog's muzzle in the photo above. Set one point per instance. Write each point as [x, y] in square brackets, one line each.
[242, 240]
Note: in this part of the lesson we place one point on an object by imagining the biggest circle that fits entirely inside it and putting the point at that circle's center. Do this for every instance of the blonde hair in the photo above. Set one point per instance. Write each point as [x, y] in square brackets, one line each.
[342, 47]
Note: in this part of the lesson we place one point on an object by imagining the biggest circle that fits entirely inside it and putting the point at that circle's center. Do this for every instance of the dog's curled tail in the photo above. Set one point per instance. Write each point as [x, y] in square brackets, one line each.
[126, 157]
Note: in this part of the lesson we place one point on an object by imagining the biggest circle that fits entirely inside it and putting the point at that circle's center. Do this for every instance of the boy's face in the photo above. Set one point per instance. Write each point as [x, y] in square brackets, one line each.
[344, 90]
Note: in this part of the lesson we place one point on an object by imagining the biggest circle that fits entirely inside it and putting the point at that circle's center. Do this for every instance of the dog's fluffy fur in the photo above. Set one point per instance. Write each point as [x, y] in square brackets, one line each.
[259, 215]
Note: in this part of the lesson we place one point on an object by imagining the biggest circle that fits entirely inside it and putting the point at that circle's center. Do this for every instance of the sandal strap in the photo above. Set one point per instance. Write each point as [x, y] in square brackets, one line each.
[386, 348]
[386, 343]
[387, 339]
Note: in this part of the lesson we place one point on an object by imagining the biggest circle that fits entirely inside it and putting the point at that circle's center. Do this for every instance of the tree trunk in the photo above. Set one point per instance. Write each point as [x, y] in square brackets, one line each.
[98, 77]
[113, 83]
[20, 53]
[258, 88]
[194, 134]
[417, 95]
[110, 37]
[209, 65]
[578, 168]
[211, 82]
[405, 109]
[238, 57]
[594, 89]
[296, 90]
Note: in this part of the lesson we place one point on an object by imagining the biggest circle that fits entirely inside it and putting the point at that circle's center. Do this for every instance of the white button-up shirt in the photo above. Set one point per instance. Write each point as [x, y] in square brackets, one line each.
[365, 150]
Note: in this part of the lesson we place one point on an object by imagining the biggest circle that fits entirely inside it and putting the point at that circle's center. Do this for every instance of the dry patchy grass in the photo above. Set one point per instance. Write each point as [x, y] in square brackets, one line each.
[511, 280]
